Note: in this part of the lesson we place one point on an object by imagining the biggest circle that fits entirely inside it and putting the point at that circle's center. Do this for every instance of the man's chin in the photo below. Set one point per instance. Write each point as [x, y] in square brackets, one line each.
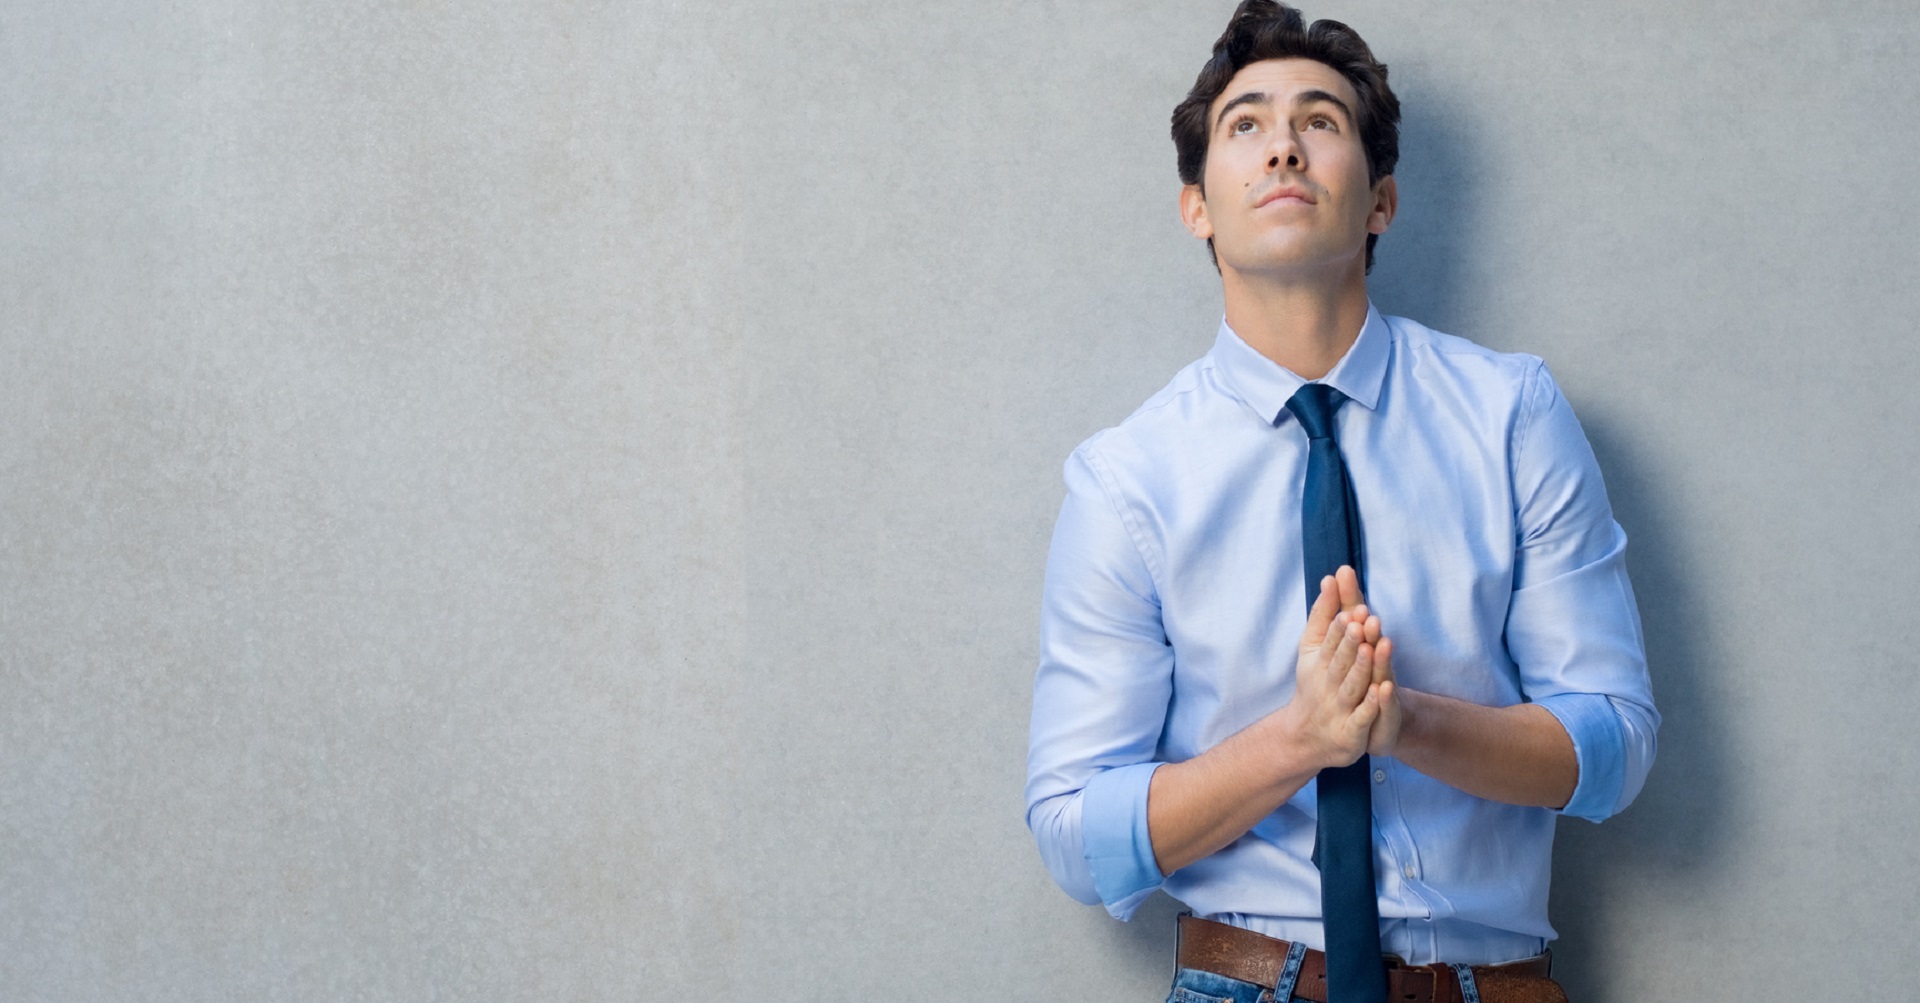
[1292, 261]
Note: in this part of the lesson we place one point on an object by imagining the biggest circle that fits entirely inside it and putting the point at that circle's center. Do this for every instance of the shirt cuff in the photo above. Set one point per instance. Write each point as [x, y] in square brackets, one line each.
[1113, 821]
[1598, 747]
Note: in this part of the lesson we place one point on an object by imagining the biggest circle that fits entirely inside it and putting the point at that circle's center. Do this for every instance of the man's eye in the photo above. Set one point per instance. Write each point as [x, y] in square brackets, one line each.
[1319, 122]
[1241, 125]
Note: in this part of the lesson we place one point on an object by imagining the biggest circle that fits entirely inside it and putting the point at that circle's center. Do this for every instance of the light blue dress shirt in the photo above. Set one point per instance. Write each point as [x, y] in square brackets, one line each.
[1174, 604]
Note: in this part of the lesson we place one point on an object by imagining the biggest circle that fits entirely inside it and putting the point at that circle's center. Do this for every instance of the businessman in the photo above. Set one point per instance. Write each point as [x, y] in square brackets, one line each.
[1338, 621]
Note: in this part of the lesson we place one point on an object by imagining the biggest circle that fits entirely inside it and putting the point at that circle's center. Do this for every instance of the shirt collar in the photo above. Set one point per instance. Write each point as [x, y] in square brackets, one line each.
[1266, 386]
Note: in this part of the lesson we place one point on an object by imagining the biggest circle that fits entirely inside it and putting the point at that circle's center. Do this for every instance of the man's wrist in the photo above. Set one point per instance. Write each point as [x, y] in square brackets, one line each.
[1295, 749]
[1412, 736]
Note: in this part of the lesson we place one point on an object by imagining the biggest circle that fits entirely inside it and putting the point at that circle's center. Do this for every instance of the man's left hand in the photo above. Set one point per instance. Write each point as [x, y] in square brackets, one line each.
[1385, 735]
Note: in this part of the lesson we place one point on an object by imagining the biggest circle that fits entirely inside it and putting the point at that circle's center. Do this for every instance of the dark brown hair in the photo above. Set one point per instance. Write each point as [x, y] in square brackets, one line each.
[1264, 29]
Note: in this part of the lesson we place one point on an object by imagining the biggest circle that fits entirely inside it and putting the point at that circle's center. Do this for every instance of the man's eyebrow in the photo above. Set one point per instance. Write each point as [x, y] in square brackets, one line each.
[1250, 97]
[1312, 97]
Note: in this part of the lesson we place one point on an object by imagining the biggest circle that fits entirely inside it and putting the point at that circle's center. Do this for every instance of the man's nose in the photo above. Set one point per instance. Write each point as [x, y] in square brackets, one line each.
[1286, 150]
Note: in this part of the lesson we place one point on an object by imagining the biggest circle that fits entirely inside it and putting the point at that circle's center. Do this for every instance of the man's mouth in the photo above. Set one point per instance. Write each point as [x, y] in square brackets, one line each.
[1273, 195]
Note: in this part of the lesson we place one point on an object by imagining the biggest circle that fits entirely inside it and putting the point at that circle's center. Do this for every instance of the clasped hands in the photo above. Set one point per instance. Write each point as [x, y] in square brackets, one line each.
[1345, 701]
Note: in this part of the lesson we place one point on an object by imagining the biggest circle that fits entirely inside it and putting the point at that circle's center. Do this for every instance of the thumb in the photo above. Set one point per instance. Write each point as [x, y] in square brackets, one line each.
[1320, 617]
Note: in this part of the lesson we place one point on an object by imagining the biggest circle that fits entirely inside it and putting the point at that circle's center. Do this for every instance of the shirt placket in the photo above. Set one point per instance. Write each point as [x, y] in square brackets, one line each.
[1404, 886]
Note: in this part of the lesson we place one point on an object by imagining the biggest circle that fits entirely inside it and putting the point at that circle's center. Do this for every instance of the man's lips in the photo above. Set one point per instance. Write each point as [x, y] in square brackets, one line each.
[1283, 192]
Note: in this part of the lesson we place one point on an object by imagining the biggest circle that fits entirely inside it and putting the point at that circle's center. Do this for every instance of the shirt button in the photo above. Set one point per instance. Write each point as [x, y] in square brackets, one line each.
[1379, 776]
[1409, 870]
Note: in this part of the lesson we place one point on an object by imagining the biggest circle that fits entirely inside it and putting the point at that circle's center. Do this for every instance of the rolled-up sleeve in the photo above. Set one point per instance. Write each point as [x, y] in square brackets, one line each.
[1573, 628]
[1099, 700]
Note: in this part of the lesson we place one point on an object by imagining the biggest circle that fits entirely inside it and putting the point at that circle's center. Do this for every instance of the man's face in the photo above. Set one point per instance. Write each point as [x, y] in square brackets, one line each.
[1285, 184]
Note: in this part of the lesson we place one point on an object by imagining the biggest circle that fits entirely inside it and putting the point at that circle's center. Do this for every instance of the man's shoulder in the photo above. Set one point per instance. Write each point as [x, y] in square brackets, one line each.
[1453, 353]
[1189, 402]
[1447, 365]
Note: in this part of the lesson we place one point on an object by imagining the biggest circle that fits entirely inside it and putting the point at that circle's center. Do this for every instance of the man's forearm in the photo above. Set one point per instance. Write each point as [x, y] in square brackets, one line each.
[1198, 806]
[1516, 755]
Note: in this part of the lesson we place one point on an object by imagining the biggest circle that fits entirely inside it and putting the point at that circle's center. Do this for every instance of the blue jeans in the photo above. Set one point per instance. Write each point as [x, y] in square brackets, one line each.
[1191, 985]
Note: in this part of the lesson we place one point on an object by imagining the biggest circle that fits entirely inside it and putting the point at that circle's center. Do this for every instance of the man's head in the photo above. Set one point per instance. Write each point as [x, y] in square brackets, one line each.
[1270, 59]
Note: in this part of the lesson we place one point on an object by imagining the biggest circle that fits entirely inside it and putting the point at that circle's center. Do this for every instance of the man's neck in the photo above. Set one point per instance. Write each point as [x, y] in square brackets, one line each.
[1305, 326]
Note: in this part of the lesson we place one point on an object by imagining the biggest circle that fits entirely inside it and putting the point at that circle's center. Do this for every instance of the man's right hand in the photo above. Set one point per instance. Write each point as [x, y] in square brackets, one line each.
[1335, 699]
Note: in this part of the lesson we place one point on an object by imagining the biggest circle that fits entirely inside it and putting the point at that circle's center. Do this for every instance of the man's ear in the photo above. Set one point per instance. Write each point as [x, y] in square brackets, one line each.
[1193, 212]
[1386, 201]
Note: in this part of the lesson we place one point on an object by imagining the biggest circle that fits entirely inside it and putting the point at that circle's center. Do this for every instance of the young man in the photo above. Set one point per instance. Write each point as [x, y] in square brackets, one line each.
[1338, 621]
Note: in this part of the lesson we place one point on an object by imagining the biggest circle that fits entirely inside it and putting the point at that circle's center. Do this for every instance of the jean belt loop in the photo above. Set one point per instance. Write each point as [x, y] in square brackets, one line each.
[1469, 989]
[1283, 990]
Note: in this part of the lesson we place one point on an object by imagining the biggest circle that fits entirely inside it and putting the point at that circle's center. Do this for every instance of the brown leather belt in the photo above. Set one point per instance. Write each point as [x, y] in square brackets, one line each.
[1252, 957]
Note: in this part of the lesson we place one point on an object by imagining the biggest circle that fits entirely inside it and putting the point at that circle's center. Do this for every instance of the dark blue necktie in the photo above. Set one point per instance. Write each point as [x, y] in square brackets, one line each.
[1330, 537]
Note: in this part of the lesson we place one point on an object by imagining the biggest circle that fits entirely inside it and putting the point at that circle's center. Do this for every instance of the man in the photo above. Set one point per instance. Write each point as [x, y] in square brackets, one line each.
[1338, 621]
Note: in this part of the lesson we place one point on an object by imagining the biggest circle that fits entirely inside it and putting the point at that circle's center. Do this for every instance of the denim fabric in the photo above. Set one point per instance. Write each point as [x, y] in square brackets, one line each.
[1469, 989]
[1191, 985]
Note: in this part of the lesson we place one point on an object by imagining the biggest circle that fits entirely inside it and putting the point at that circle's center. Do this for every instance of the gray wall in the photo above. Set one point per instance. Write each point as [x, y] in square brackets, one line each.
[548, 501]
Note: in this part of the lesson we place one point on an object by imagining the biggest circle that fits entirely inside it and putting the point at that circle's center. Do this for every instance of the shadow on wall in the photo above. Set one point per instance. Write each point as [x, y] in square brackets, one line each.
[1420, 265]
[1674, 833]
[1149, 939]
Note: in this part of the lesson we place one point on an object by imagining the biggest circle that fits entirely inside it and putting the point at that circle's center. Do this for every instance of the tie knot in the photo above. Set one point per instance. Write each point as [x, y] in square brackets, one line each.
[1313, 406]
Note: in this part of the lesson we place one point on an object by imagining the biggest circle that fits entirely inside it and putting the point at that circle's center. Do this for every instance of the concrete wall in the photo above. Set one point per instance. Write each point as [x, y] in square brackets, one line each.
[510, 501]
